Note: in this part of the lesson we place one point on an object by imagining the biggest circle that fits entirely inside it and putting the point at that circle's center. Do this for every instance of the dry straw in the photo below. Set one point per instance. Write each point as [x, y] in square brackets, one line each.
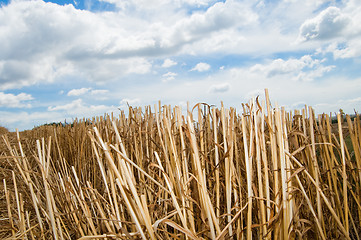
[158, 174]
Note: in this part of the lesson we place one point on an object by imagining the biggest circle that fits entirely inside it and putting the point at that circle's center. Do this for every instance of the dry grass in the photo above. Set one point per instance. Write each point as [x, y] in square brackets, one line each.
[3, 130]
[157, 174]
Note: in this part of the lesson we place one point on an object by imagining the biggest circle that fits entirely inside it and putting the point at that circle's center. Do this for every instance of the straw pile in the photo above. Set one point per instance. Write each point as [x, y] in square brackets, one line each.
[208, 174]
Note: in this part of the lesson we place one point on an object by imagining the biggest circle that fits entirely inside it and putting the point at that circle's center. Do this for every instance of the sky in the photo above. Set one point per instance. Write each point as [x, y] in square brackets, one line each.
[61, 60]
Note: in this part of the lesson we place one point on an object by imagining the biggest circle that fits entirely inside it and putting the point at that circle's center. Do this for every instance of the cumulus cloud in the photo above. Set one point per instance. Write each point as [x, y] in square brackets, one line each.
[45, 43]
[9, 100]
[75, 104]
[203, 25]
[129, 101]
[342, 50]
[330, 23]
[147, 5]
[24, 120]
[254, 93]
[314, 74]
[169, 76]
[197, 2]
[347, 104]
[338, 27]
[138, 5]
[99, 92]
[303, 69]
[201, 67]
[42, 41]
[78, 108]
[221, 15]
[168, 63]
[78, 92]
[15, 74]
[104, 70]
[220, 88]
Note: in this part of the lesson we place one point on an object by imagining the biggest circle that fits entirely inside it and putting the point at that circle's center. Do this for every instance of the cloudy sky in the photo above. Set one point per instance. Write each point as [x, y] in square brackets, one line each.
[81, 58]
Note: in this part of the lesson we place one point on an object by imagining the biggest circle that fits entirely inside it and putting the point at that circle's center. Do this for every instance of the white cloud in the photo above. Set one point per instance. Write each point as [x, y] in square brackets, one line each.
[78, 108]
[147, 5]
[169, 76]
[220, 88]
[201, 67]
[330, 23]
[303, 69]
[9, 100]
[15, 73]
[75, 104]
[139, 5]
[254, 93]
[78, 92]
[197, 2]
[111, 69]
[201, 25]
[314, 74]
[342, 50]
[347, 104]
[128, 101]
[168, 63]
[246, 83]
[45, 43]
[99, 92]
[339, 28]
[59, 41]
[24, 120]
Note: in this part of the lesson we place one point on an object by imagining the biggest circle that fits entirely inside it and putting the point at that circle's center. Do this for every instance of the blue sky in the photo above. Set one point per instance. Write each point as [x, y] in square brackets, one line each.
[73, 59]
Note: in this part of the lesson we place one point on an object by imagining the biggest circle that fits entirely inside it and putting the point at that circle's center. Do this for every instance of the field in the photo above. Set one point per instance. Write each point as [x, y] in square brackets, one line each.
[157, 173]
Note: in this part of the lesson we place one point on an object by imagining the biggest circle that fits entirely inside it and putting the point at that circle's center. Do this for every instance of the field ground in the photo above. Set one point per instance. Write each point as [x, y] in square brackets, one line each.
[157, 174]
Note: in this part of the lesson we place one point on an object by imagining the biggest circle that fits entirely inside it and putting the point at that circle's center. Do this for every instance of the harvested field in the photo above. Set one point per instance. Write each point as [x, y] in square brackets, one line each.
[209, 174]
